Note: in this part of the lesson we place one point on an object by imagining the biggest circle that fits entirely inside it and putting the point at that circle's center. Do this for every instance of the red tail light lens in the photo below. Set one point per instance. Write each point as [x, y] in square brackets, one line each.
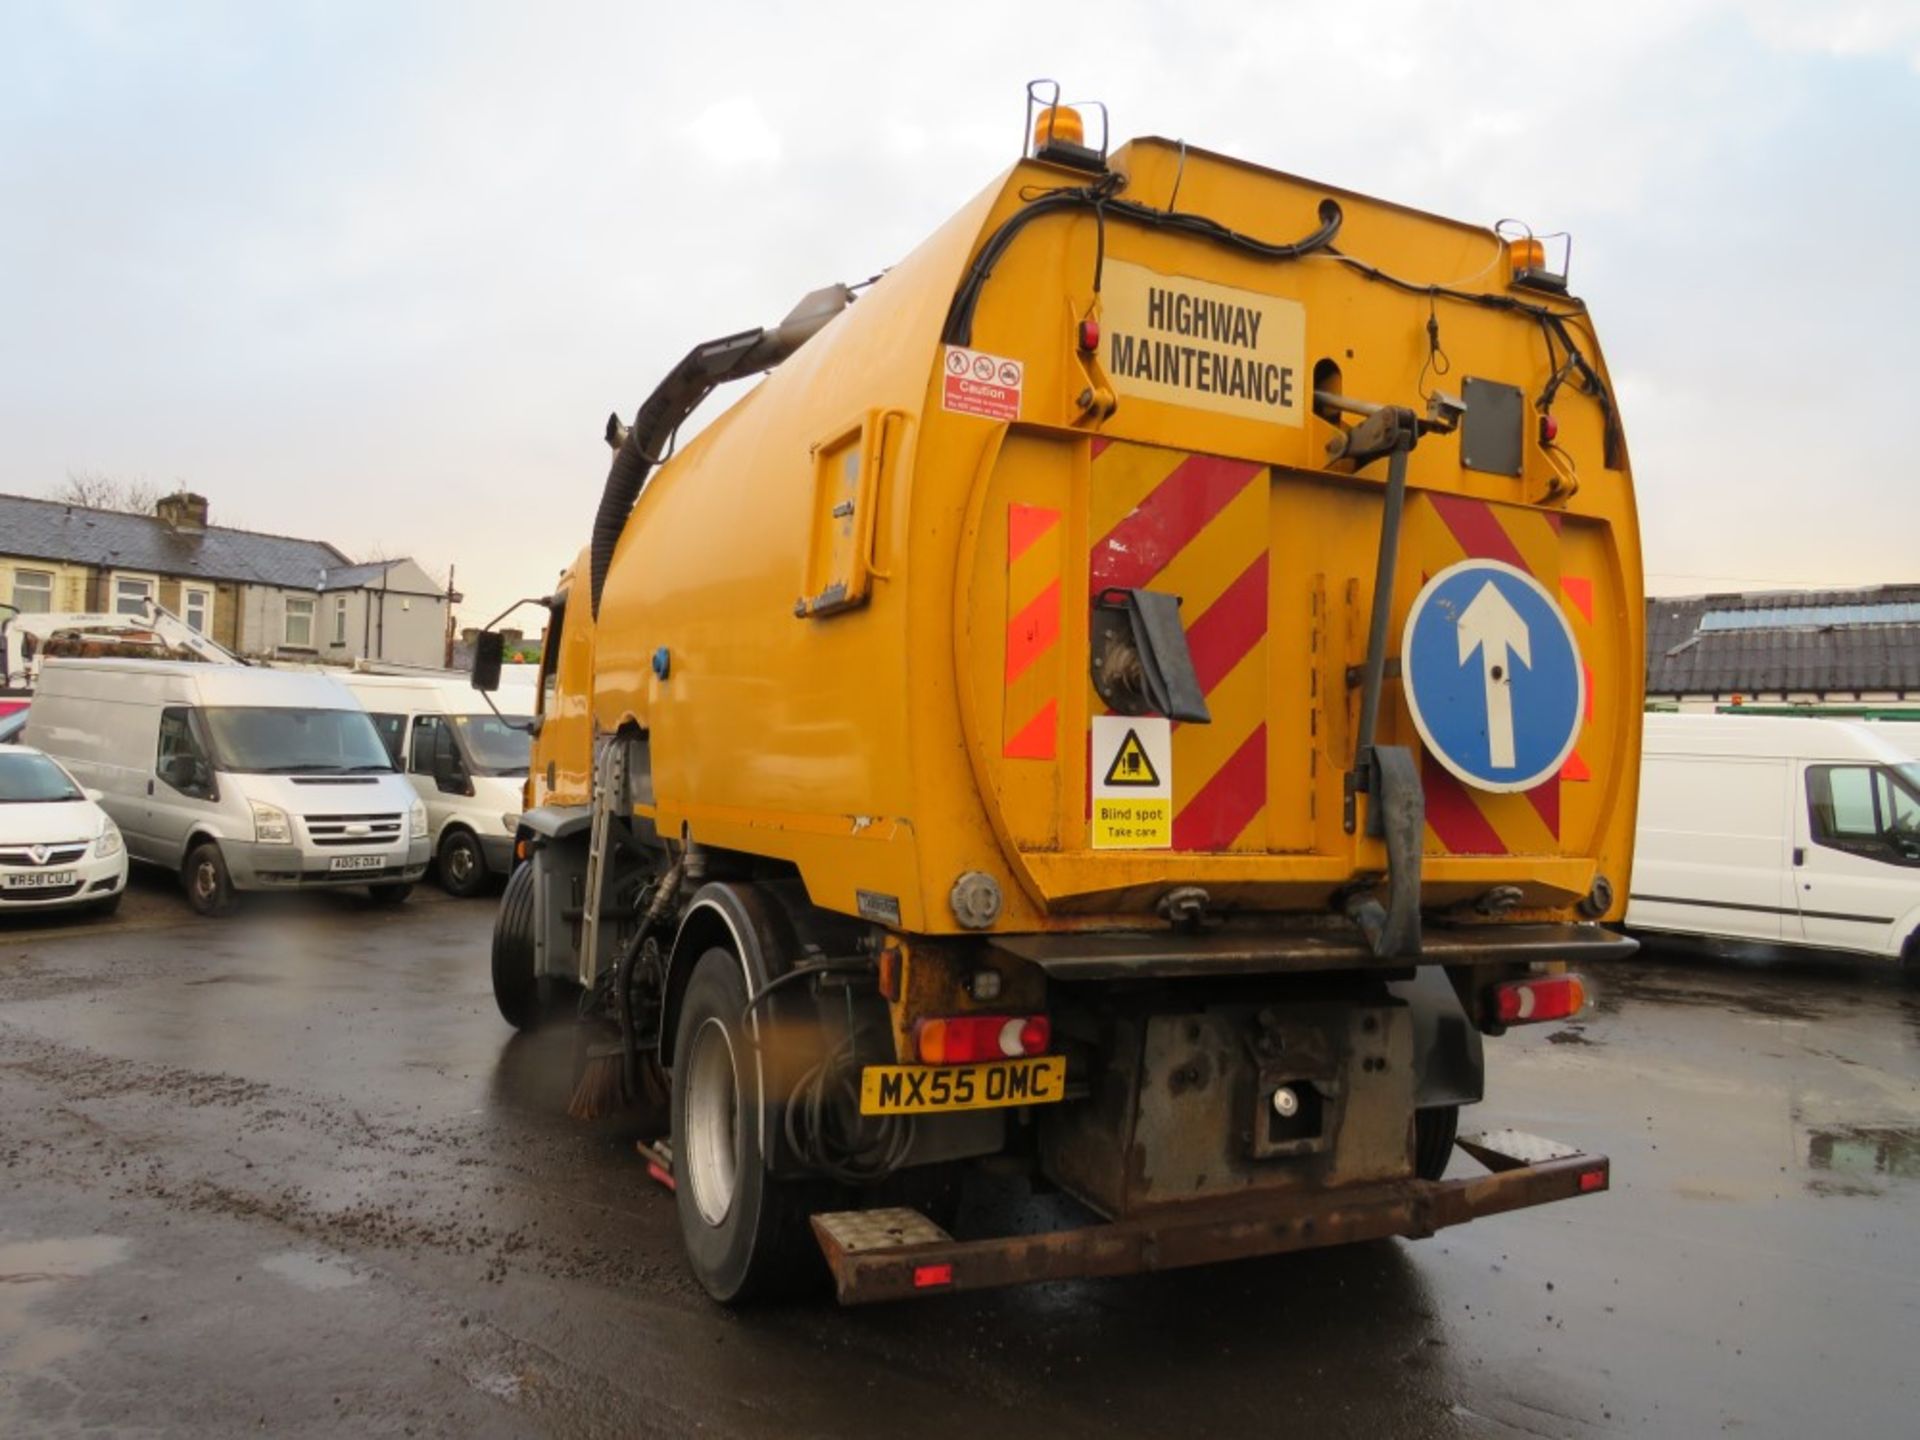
[968, 1039]
[1551, 997]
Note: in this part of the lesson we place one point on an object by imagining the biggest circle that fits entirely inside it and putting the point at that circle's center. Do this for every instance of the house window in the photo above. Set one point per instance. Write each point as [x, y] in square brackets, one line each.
[299, 623]
[340, 620]
[132, 594]
[196, 608]
[33, 591]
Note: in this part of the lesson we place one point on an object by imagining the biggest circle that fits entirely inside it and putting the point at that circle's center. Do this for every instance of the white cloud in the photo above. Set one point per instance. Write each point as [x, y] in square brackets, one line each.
[374, 276]
[734, 132]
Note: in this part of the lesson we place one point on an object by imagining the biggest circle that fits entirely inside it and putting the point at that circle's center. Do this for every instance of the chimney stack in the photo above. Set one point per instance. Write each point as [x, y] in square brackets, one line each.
[182, 511]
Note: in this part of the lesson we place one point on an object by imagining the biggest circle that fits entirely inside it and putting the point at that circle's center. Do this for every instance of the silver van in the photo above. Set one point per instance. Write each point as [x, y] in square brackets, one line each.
[239, 778]
[467, 763]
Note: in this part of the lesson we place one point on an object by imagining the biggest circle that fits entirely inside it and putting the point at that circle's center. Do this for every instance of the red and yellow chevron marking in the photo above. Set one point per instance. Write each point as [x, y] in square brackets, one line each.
[1197, 526]
[1578, 590]
[1031, 715]
[1442, 530]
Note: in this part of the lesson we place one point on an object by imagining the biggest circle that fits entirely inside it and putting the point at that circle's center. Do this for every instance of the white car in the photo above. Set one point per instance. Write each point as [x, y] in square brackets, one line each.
[57, 847]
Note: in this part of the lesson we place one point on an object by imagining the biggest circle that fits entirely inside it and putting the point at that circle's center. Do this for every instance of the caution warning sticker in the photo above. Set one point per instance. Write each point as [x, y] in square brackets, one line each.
[975, 383]
[1132, 782]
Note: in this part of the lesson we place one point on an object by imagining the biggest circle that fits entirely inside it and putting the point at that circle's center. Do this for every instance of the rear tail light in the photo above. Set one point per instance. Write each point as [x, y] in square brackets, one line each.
[966, 1039]
[932, 1277]
[1550, 997]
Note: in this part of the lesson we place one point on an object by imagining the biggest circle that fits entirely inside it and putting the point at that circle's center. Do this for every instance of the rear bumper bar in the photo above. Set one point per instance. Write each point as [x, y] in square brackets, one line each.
[1234, 951]
[899, 1254]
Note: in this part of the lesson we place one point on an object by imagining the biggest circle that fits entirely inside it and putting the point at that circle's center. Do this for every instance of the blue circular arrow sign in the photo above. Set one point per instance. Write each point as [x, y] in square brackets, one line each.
[1493, 676]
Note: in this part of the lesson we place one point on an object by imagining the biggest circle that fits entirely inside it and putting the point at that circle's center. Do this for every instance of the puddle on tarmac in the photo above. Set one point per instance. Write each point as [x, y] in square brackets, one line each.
[311, 1270]
[31, 1270]
[1865, 1150]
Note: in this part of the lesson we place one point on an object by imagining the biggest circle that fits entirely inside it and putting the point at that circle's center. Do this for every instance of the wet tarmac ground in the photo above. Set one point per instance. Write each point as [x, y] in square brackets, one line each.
[289, 1174]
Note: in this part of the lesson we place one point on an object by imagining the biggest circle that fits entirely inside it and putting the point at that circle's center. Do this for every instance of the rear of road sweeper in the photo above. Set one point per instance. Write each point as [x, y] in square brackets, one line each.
[1130, 699]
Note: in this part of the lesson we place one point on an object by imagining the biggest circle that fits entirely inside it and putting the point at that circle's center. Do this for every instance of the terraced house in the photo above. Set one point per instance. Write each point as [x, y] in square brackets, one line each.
[254, 593]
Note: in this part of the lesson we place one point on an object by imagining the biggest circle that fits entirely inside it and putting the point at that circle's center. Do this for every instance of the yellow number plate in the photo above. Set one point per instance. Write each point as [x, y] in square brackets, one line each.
[924, 1089]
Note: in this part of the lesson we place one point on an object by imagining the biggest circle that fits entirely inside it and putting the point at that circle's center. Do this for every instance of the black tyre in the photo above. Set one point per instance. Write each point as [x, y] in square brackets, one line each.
[386, 895]
[527, 1001]
[461, 865]
[204, 875]
[106, 907]
[745, 1233]
[1433, 1132]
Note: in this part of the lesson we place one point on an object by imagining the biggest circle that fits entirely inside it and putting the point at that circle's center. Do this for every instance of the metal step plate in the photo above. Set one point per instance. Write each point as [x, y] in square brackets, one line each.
[857, 1232]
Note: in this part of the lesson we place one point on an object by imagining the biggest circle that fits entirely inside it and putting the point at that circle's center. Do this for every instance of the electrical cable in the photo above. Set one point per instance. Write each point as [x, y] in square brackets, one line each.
[1553, 325]
[852, 1158]
[1102, 197]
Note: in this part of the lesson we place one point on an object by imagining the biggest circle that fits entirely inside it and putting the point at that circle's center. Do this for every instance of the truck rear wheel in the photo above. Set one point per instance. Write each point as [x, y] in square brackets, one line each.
[526, 1000]
[1433, 1132]
[745, 1232]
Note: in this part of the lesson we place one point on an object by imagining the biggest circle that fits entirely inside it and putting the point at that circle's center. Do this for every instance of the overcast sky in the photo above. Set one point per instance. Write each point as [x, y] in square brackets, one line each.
[376, 273]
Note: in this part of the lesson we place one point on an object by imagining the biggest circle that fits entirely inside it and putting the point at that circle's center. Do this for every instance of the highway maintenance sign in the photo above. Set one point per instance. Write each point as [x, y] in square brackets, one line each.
[1132, 782]
[1493, 676]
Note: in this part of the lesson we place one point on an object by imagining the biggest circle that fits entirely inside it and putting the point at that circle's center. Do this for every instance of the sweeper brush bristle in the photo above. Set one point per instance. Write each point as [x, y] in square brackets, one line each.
[598, 1091]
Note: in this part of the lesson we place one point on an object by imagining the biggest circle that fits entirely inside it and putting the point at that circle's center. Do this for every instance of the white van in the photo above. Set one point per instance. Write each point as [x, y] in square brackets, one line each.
[466, 763]
[238, 777]
[1780, 830]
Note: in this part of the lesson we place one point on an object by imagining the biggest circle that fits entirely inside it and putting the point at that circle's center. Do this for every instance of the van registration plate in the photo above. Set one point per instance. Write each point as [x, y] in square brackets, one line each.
[925, 1089]
[37, 879]
[358, 862]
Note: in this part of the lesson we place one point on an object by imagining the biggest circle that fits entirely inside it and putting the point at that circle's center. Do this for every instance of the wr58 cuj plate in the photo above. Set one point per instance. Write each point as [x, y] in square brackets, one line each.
[37, 879]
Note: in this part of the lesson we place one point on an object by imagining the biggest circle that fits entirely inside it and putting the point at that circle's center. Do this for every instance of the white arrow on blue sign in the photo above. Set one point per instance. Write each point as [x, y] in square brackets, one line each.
[1493, 676]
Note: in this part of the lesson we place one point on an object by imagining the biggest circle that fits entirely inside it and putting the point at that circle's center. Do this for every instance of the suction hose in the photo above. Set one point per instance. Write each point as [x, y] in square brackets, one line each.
[637, 449]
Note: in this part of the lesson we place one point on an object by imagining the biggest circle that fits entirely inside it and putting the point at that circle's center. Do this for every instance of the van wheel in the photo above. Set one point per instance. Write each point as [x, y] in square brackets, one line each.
[745, 1233]
[1433, 1132]
[389, 895]
[463, 869]
[209, 887]
[526, 1000]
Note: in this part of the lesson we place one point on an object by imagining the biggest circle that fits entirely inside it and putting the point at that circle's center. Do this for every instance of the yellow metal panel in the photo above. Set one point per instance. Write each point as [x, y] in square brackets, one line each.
[891, 747]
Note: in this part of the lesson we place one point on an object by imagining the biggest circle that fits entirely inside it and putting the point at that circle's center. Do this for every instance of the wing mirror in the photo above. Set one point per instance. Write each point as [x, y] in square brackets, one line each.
[489, 651]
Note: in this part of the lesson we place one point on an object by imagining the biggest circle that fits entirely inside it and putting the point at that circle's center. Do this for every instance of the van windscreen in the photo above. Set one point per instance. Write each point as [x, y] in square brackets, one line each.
[495, 745]
[264, 741]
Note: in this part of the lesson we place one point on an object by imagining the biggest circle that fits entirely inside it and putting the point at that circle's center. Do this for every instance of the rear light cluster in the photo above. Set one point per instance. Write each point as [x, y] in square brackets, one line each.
[1550, 997]
[968, 1039]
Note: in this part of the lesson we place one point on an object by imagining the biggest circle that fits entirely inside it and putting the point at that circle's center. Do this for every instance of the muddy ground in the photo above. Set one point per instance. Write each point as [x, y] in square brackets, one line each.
[289, 1174]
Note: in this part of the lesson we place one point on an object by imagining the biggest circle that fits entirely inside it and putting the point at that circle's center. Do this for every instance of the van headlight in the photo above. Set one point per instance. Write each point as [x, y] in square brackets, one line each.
[417, 826]
[271, 825]
[108, 841]
[510, 821]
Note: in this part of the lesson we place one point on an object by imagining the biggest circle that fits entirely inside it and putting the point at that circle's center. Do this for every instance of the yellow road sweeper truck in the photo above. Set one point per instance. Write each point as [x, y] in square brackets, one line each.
[1129, 699]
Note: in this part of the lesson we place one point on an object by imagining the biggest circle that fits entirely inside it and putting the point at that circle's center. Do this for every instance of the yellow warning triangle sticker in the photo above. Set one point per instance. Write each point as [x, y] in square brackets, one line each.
[1131, 765]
